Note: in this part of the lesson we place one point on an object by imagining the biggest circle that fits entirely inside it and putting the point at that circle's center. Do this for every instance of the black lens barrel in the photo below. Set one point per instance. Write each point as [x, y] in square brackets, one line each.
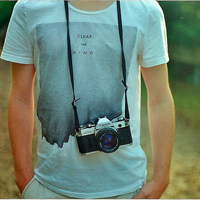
[107, 140]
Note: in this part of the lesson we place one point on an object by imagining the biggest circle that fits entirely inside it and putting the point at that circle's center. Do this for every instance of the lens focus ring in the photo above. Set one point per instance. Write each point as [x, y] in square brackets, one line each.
[107, 140]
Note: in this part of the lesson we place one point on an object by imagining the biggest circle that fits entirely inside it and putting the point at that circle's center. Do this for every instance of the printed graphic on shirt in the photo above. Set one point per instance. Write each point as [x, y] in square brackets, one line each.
[96, 54]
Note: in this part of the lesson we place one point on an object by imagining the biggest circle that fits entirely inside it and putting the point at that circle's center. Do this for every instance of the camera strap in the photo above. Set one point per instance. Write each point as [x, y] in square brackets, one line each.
[123, 58]
[77, 125]
[71, 63]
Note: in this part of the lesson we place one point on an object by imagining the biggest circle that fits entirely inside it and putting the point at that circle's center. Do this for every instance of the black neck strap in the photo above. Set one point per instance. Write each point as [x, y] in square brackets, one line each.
[77, 125]
[71, 63]
[123, 58]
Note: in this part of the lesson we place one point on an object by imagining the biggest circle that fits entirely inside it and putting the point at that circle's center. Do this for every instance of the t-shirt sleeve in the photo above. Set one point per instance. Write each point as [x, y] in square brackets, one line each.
[17, 47]
[154, 50]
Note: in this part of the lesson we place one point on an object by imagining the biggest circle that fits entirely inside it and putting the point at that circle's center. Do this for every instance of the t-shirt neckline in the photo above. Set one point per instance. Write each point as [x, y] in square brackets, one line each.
[91, 12]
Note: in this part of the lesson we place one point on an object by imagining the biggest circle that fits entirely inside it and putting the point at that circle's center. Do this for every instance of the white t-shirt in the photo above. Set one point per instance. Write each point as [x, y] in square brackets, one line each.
[37, 35]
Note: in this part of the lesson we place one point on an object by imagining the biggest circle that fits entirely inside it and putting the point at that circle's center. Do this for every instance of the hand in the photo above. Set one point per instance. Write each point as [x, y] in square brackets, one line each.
[152, 190]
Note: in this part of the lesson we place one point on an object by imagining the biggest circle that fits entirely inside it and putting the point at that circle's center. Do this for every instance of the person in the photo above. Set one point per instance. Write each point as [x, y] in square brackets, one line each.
[37, 45]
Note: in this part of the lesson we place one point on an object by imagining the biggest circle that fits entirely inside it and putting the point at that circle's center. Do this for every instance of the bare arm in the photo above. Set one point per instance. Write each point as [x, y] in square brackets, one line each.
[162, 127]
[20, 121]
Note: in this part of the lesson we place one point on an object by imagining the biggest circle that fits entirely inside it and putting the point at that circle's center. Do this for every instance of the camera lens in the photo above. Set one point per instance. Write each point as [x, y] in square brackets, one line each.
[107, 140]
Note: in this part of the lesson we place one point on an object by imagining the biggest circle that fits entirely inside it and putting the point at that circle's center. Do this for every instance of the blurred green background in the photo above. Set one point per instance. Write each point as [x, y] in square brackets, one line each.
[183, 28]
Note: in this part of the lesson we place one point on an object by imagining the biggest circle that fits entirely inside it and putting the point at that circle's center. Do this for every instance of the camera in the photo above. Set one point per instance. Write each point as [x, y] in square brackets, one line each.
[105, 136]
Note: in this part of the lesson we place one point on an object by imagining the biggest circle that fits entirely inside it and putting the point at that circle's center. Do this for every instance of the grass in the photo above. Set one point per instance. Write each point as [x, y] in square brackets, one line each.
[186, 99]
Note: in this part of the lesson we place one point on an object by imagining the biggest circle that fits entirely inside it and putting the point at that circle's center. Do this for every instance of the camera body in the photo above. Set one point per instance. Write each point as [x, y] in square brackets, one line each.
[105, 136]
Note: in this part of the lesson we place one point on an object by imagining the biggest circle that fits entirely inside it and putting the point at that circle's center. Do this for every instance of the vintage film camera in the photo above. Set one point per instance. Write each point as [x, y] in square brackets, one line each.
[105, 136]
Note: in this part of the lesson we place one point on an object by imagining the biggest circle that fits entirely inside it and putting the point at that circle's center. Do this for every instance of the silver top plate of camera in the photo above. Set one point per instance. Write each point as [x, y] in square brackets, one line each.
[104, 122]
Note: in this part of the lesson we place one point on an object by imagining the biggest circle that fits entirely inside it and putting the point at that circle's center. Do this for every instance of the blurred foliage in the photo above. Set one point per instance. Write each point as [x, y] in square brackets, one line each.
[6, 8]
[182, 21]
[182, 18]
